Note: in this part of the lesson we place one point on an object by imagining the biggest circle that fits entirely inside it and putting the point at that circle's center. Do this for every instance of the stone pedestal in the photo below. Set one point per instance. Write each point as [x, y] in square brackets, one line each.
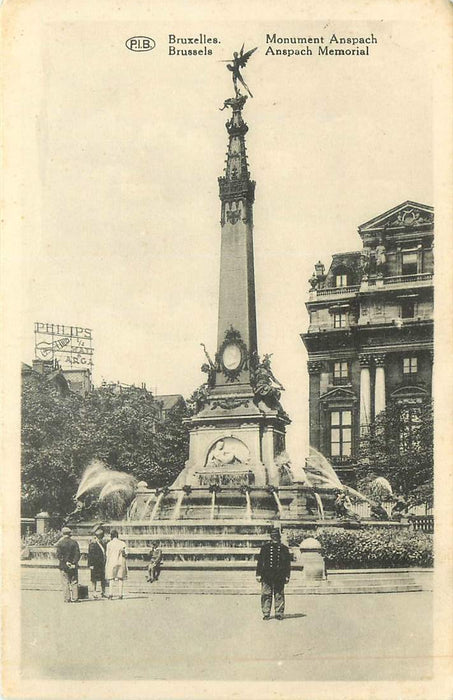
[312, 561]
[42, 523]
[242, 443]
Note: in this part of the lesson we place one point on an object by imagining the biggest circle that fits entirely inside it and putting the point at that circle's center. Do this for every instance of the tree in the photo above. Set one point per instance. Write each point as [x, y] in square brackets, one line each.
[48, 435]
[62, 434]
[117, 426]
[172, 446]
[399, 447]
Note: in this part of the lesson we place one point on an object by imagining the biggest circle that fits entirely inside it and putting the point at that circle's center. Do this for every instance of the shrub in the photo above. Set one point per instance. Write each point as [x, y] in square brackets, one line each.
[45, 539]
[371, 549]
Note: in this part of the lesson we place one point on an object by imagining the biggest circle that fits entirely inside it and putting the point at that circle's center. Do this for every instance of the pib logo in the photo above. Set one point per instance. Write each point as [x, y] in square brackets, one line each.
[140, 43]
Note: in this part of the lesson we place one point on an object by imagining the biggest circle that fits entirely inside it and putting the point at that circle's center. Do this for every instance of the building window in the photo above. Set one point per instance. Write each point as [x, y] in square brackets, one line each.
[341, 280]
[409, 365]
[339, 319]
[407, 308]
[340, 433]
[340, 372]
[409, 263]
[409, 428]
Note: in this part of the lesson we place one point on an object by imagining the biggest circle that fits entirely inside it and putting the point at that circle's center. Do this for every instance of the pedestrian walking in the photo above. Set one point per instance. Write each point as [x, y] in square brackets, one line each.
[273, 571]
[96, 561]
[115, 564]
[68, 555]
[154, 562]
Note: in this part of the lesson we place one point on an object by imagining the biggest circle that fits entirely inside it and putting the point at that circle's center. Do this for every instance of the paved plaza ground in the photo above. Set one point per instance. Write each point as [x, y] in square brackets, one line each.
[222, 637]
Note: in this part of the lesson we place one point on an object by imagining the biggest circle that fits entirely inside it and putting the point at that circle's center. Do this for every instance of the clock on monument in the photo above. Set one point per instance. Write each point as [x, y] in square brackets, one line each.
[231, 356]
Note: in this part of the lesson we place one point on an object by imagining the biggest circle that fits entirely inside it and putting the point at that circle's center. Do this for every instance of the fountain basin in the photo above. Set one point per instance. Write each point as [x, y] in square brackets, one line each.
[293, 502]
[201, 527]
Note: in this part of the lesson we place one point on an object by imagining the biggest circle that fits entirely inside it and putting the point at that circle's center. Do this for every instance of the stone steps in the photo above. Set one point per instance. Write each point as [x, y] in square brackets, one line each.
[235, 582]
[181, 540]
[48, 562]
[201, 528]
[201, 550]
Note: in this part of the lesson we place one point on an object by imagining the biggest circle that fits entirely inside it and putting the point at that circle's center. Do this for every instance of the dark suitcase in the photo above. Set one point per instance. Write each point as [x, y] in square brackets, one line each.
[83, 592]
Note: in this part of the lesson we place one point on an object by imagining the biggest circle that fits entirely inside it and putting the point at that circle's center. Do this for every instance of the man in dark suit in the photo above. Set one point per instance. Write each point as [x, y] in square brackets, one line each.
[68, 555]
[96, 561]
[273, 571]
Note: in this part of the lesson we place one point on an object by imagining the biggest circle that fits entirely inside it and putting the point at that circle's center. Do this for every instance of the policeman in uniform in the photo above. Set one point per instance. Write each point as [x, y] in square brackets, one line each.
[273, 571]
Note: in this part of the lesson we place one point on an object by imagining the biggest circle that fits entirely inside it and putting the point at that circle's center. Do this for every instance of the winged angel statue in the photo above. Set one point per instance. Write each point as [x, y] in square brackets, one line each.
[235, 64]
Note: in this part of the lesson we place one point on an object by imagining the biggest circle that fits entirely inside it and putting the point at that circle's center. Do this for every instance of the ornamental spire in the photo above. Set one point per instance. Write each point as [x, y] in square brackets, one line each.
[236, 182]
[237, 307]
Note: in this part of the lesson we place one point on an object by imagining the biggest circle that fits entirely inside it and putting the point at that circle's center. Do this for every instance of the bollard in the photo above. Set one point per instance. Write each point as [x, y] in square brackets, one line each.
[42, 523]
[312, 560]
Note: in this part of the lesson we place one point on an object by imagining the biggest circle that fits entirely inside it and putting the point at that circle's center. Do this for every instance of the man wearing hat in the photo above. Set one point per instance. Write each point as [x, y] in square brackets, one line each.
[273, 571]
[96, 561]
[68, 555]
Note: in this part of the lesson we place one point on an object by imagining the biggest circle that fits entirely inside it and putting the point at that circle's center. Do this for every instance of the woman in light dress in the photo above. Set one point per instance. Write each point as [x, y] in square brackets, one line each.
[115, 565]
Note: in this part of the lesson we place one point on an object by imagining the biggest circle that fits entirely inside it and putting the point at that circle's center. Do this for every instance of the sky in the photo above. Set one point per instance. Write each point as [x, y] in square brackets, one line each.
[120, 193]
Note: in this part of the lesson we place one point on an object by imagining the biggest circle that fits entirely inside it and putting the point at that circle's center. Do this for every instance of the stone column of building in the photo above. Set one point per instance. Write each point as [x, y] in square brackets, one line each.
[379, 385]
[365, 393]
[324, 379]
[314, 370]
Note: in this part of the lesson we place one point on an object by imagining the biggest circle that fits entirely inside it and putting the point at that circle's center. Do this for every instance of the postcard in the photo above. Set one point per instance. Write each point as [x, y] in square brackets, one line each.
[226, 376]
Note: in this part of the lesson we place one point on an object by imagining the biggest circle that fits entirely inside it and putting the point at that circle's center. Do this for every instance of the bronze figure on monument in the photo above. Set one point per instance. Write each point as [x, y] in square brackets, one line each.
[239, 61]
[265, 385]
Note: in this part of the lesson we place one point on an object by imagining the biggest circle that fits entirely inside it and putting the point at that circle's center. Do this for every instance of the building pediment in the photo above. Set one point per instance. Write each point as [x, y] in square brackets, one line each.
[339, 394]
[410, 393]
[406, 217]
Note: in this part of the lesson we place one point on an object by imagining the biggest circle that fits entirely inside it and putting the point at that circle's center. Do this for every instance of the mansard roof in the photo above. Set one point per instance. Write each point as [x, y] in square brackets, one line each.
[348, 262]
[405, 217]
[168, 401]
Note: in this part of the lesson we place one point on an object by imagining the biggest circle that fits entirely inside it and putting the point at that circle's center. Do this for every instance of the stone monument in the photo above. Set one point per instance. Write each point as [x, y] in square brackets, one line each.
[238, 428]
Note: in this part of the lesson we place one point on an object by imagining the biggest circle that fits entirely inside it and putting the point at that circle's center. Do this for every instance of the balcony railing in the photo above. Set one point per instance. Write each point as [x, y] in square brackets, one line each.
[409, 279]
[341, 381]
[371, 282]
[338, 461]
[335, 291]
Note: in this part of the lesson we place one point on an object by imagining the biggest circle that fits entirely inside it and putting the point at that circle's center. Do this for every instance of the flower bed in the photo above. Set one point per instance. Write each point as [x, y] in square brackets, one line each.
[371, 549]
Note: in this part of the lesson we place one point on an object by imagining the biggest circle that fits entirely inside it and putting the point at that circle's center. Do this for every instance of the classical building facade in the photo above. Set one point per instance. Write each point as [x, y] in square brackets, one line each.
[370, 335]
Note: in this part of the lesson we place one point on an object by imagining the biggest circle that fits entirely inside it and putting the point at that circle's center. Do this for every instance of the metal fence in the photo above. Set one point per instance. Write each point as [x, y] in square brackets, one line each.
[425, 523]
[27, 526]
[362, 509]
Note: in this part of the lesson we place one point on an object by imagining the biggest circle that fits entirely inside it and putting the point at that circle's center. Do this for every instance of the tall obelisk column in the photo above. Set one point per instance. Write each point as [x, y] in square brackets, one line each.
[238, 427]
[237, 308]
